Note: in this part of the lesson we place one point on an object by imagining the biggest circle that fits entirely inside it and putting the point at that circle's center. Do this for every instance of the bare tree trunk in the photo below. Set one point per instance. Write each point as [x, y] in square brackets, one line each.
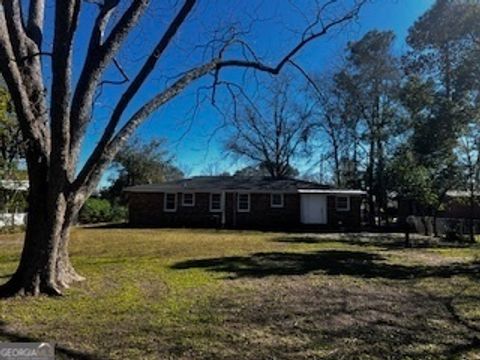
[336, 157]
[472, 210]
[32, 275]
[435, 228]
[44, 265]
[371, 202]
[381, 188]
[426, 227]
[407, 243]
[65, 272]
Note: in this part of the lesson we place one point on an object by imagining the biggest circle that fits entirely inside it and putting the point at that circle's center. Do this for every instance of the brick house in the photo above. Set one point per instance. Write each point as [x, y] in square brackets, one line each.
[243, 202]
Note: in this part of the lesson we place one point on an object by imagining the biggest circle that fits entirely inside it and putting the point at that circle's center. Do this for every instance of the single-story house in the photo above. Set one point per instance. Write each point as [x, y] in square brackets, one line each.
[244, 202]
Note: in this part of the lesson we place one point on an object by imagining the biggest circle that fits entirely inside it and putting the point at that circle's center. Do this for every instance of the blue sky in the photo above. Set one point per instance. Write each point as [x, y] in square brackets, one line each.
[195, 133]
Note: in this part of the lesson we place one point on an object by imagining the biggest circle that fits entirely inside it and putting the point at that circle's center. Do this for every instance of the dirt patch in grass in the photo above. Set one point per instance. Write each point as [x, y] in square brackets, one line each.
[308, 317]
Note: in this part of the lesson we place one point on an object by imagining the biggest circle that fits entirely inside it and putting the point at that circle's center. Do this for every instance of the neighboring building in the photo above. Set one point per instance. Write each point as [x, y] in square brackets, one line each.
[455, 205]
[455, 212]
[243, 202]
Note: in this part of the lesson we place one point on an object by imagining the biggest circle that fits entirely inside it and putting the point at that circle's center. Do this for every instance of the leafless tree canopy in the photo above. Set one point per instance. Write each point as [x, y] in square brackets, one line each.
[271, 133]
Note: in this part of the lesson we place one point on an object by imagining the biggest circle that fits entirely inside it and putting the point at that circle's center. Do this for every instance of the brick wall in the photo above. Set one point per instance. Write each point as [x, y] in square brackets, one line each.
[262, 215]
[348, 219]
[146, 209]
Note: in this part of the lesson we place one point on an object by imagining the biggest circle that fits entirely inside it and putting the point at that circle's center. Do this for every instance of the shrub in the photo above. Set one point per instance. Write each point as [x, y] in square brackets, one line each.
[101, 210]
[95, 211]
[119, 213]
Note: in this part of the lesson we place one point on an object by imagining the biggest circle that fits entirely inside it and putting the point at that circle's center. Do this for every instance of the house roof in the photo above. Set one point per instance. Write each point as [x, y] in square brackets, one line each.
[237, 183]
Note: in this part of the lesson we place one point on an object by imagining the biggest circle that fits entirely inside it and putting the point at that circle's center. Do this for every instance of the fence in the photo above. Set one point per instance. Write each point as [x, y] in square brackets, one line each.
[424, 224]
[12, 219]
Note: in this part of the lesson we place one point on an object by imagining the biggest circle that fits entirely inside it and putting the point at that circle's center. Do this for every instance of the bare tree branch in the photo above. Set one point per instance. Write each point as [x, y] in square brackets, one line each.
[66, 20]
[98, 56]
[16, 30]
[275, 70]
[31, 127]
[105, 152]
[35, 21]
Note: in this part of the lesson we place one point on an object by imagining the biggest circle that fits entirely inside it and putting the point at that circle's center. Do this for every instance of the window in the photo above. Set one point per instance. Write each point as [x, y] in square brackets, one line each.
[276, 200]
[188, 199]
[216, 202]
[170, 202]
[243, 202]
[342, 203]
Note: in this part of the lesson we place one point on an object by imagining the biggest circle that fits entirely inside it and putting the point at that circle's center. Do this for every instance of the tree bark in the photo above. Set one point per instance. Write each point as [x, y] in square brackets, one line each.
[370, 171]
[44, 266]
[471, 227]
[65, 272]
[435, 228]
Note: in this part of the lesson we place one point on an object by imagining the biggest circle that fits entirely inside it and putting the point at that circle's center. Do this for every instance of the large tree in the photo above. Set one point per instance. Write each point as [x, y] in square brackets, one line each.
[271, 132]
[368, 109]
[337, 115]
[54, 103]
[442, 91]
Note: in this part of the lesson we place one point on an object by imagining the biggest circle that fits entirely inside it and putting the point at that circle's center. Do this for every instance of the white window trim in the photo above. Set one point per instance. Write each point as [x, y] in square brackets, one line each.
[165, 202]
[238, 202]
[221, 202]
[193, 200]
[281, 205]
[342, 209]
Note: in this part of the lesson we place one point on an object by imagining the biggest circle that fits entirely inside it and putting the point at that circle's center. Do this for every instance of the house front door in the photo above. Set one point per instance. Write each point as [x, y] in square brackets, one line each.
[313, 209]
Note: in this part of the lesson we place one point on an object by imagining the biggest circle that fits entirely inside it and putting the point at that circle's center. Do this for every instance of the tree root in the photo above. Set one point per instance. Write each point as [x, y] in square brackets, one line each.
[16, 287]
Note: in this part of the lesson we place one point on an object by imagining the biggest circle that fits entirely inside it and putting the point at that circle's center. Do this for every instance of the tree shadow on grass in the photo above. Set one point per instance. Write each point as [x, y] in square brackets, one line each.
[386, 242]
[303, 317]
[61, 352]
[331, 262]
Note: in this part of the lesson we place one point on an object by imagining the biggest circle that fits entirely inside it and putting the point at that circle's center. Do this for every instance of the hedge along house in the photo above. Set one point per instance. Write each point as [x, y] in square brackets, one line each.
[241, 202]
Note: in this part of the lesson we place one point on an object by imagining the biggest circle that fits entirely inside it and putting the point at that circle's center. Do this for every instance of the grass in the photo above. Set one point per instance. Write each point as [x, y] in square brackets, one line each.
[199, 294]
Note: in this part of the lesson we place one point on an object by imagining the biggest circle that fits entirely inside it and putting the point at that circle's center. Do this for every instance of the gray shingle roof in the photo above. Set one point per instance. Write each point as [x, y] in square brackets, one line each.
[229, 183]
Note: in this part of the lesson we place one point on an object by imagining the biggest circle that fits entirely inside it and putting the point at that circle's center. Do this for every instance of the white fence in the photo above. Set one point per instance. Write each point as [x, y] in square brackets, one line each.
[12, 219]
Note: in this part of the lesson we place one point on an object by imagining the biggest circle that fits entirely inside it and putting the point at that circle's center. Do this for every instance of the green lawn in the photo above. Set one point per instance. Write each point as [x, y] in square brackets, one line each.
[199, 294]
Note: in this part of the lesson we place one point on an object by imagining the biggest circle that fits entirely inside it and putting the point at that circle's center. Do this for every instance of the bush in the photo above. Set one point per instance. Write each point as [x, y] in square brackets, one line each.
[100, 210]
[119, 213]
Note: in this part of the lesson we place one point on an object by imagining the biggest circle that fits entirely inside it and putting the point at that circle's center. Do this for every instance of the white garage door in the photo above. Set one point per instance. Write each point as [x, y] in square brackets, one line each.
[313, 209]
